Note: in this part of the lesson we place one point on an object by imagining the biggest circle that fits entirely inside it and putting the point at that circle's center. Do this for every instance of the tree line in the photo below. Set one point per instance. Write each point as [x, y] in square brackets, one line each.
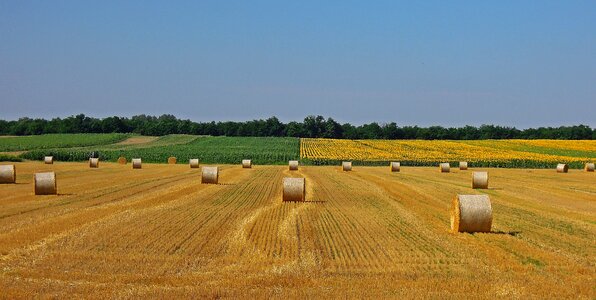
[311, 127]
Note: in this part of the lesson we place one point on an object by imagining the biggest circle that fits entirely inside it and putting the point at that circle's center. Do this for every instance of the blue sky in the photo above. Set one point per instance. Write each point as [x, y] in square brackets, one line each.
[450, 63]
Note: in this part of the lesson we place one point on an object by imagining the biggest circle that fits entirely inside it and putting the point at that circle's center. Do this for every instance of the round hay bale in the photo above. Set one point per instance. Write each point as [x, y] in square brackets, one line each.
[294, 189]
[136, 163]
[93, 162]
[8, 174]
[444, 167]
[394, 165]
[45, 183]
[48, 160]
[346, 165]
[122, 160]
[210, 175]
[589, 167]
[480, 180]
[194, 163]
[471, 213]
[463, 165]
[171, 160]
[562, 168]
[293, 164]
[246, 163]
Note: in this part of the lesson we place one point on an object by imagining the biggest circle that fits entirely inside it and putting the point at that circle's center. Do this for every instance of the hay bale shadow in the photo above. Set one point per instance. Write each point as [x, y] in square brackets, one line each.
[306, 201]
[511, 233]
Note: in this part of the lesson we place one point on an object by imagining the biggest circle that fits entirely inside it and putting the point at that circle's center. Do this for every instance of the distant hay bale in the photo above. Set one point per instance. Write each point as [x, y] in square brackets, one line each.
[171, 160]
[480, 180]
[8, 174]
[194, 163]
[562, 168]
[471, 213]
[394, 165]
[45, 183]
[294, 189]
[48, 160]
[210, 175]
[93, 162]
[346, 165]
[589, 167]
[463, 165]
[136, 163]
[293, 164]
[444, 167]
[122, 160]
[246, 163]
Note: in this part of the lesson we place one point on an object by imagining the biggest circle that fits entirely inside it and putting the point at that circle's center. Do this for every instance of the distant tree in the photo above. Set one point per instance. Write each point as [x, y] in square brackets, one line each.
[229, 128]
[312, 126]
[274, 127]
[371, 131]
[166, 124]
[391, 131]
[410, 132]
[579, 132]
[469, 133]
[332, 129]
[350, 132]
[36, 126]
[4, 127]
[112, 124]
[295, 129]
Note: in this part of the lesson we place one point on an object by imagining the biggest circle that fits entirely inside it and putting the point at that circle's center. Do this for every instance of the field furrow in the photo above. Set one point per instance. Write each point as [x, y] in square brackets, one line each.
[159, 232]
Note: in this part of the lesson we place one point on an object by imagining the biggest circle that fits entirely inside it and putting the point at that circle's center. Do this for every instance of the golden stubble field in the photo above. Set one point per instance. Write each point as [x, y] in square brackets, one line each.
[157, 232]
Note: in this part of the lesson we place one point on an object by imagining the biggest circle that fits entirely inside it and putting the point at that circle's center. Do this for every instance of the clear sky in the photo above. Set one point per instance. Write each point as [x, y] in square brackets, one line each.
[450, 63]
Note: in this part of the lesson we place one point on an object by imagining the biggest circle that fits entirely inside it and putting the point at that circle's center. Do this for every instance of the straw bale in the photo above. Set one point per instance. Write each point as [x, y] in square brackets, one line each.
[463, 165]
[8, 174]
[480, 180]
[562, 168]
[136, 163]
[246, 163]
[444, 167]
[294, 189]
[193, 162]
[293, 164]
[346, 165]
[210, 175]
[45, 183]
[93, 162]
[471, 213]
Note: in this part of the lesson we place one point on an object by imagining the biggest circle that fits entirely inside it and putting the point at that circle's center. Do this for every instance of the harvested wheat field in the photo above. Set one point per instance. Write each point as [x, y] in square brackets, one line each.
[158, 232]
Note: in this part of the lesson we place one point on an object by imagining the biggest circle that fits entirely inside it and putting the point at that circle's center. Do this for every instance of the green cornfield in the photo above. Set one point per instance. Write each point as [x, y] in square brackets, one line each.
[226, 150]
